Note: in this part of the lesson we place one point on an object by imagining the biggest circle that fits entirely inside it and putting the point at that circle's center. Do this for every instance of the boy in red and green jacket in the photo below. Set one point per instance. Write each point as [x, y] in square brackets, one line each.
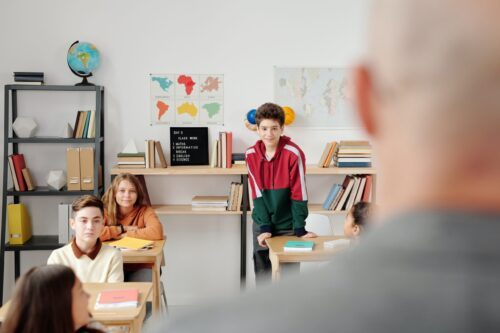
[276, 175]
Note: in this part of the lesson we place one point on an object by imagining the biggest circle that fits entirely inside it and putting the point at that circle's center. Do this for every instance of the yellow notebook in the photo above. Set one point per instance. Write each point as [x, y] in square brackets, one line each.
[19, 224]
[132, 243]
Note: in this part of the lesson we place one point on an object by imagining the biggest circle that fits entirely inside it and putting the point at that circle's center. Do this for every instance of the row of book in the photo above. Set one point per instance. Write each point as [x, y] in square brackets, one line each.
[141, 160]
[36, 78]
[20, 174]
[231, 202]
[346, 154]
[84, 125]
[222, 150]
[80, 169]
[353, 190]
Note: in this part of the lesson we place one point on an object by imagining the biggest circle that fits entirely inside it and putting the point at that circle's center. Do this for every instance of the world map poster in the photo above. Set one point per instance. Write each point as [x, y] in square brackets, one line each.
[187, 99]
[320, 97]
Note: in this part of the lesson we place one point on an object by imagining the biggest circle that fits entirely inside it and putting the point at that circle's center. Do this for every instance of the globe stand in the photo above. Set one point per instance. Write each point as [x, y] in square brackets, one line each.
[85, 82]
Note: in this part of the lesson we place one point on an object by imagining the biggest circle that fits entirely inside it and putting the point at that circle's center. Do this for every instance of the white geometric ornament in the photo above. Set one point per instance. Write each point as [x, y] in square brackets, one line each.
[130, 148]
[67, 131]
[24, 127]
[56, 179]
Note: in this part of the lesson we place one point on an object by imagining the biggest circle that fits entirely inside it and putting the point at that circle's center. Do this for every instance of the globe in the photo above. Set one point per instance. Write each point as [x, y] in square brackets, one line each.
[251, 116]
[83, 58]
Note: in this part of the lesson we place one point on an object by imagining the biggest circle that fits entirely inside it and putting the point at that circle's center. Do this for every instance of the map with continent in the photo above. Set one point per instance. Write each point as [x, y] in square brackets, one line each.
[185, 98]
[188, 83]
[320, 97]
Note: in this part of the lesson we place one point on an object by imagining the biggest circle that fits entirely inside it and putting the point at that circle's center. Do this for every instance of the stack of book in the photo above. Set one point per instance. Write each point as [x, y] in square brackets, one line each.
[222, 151]
[328, 155]
[131, 160]
[150, 147]
[21, 177]
[34, 78]
[238, 159]
[235, 197]
[353, 190]
[213, 203]
[354, 154]
[84, 125]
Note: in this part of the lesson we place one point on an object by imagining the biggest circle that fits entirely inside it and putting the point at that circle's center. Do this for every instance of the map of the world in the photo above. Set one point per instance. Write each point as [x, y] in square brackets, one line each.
[320, 97]
[187, 99]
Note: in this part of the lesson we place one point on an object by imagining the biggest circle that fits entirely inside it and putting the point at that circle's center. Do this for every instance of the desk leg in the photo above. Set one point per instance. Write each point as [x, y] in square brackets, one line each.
[156, 286]
[275, 266]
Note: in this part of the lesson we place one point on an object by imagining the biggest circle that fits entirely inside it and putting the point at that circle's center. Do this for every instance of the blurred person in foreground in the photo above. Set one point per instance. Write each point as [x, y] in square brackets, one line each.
[429, 95]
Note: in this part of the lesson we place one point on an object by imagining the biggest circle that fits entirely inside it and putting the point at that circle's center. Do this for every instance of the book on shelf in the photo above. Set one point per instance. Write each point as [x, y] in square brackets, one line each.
[335, 189]
[132, 159]
[210, 200]
[139, 154]
[223, 140]
[361, 189]
[151, 152]
[117, 299]
[229, 149]
[235, 196]
[131, 243]
[19, 165]
[298, 246]
[347, 186]
[354, 191]
[367, 193]
[213, 155]
[161, 156]
[30, 183]
[31, 83]
[12, 169]
[32, 74]
[19, 222]
[219, 152]
[239, 201]
[91, 128]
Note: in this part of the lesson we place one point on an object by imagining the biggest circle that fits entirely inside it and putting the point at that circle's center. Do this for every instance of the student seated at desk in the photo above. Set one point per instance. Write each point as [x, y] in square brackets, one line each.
[49, 299]
[355, 222]
[125, 212]
[91, 260]
[127, 215]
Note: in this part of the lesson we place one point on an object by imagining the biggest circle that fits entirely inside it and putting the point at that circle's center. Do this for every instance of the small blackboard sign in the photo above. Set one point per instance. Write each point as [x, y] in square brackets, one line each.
[188, 146]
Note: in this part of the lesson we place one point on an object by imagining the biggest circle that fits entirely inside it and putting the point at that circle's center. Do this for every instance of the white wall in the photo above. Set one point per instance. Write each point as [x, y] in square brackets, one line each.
[241, 39]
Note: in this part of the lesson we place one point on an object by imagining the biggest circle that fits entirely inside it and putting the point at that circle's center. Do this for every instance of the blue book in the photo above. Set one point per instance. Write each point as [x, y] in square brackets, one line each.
[331, 196]
[298, 246]
[86, 127]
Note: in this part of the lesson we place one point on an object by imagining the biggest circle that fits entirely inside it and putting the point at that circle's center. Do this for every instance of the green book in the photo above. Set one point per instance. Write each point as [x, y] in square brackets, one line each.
[298, 246]
[130, 154]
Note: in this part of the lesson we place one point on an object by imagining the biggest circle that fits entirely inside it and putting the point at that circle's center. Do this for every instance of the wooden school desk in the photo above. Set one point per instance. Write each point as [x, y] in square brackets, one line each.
[277, 255]
[152, 256]
[131, 317]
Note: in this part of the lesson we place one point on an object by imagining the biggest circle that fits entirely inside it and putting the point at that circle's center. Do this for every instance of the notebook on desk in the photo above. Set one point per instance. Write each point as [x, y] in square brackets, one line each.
[130, 243]
[298, 246]
[117, 298]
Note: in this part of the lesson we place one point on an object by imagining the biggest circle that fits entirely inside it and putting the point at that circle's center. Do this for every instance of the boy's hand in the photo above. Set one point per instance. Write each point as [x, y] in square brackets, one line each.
[262, 238]
[310, 234]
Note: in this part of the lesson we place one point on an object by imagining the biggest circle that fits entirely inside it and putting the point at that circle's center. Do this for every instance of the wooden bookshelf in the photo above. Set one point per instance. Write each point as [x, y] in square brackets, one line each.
[235, 170]
[188, 210]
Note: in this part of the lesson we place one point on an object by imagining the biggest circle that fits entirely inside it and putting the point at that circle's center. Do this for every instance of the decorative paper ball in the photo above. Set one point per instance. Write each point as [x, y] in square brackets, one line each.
[289, 115]
[251, 116]
[56, 179]
[24, 127]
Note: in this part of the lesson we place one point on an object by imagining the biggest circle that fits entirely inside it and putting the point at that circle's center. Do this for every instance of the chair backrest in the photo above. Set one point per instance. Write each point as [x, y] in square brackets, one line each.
[319, 224]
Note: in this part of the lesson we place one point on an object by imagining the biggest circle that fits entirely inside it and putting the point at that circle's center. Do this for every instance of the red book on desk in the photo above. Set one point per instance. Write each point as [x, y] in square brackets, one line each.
[19, 165]
[117, 298]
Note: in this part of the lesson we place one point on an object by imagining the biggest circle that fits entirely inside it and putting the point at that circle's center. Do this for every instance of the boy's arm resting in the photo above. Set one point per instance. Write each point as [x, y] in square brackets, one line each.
[260, 215]
[116, 267]
[152, 230]
[298, 194]
[299, 215]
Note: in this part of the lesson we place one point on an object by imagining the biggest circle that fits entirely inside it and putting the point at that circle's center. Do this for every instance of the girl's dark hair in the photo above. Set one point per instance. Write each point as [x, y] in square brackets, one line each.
[270, 111]
[360, 213]
[42, 302]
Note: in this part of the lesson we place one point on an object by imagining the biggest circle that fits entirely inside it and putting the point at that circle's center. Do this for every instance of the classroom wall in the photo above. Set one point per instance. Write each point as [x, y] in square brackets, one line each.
[241, 39]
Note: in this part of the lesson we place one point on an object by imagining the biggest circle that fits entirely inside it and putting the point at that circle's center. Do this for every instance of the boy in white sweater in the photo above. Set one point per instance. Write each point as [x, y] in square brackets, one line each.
[91, 260]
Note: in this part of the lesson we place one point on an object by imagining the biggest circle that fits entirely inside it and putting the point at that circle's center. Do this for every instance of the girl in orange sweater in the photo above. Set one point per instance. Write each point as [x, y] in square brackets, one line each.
[125, 213]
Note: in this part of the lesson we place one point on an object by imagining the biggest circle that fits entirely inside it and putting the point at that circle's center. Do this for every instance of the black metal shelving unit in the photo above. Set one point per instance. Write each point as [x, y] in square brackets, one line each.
[43, 242]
